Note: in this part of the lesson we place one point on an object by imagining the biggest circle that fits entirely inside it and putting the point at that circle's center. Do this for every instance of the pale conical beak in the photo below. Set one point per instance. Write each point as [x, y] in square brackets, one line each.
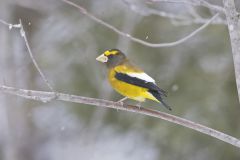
[102, 58]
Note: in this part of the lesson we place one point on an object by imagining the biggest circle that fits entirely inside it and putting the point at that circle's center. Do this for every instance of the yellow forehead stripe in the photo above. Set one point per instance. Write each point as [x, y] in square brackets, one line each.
[107, 53]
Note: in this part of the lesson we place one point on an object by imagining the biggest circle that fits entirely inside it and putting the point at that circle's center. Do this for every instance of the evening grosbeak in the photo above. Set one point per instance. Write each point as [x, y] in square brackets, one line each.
[129, 80]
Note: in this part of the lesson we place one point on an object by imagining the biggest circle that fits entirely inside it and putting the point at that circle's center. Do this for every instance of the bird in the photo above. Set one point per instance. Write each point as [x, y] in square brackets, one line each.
[129, 80]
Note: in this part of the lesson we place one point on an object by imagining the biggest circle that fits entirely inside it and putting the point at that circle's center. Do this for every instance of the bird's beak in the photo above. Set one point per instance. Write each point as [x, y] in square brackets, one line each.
[102, 58]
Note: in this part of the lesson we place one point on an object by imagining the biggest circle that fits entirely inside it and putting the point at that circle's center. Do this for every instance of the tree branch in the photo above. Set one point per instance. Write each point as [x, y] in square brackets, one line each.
[10, 26]
[154, 45]
[48, 96]
[23, 34]
[233, 19]
[194, 3]
[175, 18]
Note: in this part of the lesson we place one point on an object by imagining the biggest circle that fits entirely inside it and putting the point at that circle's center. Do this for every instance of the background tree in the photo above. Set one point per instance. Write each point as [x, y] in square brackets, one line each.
[198, 72]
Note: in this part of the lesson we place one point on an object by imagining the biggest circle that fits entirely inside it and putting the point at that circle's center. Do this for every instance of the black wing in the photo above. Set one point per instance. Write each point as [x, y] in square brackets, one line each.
[152, 88]
[139, 82]
[158, 96]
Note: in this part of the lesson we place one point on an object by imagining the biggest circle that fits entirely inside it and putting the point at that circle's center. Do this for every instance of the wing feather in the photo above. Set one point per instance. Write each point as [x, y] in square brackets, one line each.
[150, 85]
[142, 76]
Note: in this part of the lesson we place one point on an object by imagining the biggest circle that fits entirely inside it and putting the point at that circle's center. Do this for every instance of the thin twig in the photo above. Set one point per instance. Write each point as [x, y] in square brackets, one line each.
[4, 22]
[194, 3]
[23, 34]
[47, 96]
[233, 19]
[147, 12]
[10, 26]
[154, 45]
[175, 18]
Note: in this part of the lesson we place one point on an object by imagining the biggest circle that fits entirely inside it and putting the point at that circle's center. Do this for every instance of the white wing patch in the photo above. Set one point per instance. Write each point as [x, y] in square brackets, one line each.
[142, 76]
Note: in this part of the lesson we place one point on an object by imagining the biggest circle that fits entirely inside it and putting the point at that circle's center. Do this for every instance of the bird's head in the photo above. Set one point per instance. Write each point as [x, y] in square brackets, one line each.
[112, 57]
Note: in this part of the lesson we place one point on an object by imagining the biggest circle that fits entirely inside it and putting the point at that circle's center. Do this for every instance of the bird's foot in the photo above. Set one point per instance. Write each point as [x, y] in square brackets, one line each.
[121, 101]
[139, 105]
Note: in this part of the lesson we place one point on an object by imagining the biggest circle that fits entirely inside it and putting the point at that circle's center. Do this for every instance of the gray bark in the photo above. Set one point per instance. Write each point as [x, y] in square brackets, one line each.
[233, 20]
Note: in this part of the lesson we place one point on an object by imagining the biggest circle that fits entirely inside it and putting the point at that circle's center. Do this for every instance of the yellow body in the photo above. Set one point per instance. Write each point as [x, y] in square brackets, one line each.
[128, 90]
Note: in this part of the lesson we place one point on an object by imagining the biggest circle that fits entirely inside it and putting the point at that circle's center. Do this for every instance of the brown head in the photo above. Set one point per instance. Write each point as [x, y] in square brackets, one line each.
[112, 58]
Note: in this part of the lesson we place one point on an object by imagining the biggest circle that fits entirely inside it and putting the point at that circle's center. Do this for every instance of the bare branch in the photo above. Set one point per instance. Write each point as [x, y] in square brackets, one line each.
[23, 34]
[194, 3]
[147, 12]
[46, 96]
[10, 26]
[175, 18]
[233, 19]
[154, 45]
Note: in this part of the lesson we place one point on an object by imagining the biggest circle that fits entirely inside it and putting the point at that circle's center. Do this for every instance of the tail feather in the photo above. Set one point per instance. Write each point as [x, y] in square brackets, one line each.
[163, 92]
[157, 95]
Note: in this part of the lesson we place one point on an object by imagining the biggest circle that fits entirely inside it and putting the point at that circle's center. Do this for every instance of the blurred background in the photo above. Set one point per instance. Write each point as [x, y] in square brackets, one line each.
[198, 75]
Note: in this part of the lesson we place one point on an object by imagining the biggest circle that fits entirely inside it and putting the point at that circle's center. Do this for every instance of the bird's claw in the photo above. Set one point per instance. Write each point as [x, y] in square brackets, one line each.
[139, 105]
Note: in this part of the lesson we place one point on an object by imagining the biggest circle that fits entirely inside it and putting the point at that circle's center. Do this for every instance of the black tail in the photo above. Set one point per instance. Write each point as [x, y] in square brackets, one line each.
[158, 96]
